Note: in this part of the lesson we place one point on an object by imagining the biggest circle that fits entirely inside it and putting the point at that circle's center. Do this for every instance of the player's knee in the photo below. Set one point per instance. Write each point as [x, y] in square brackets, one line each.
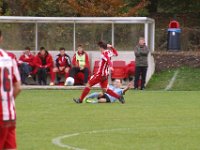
[88, 85]
[55, 69]
[66, 70]
[104, 90]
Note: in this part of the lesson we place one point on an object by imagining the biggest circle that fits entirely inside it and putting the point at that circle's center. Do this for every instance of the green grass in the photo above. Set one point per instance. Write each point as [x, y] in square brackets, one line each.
[151, 121]
[188, 79]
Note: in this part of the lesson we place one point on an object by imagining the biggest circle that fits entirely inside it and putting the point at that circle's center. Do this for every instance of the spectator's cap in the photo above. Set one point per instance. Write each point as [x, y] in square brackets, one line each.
[27, 48]
[102, 45]
[61, 48]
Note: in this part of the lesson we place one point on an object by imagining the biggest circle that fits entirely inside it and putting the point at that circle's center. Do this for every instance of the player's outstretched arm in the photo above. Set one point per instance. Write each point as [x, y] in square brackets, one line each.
[113, 49]
[127, 88]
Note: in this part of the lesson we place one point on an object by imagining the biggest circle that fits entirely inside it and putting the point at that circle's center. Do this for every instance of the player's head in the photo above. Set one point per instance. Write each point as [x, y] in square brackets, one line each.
[27, 50]
[80, 48]
[1, 37]
[141, 41]
[102, 46]
[117, 83]
[62, 51]
[43, 51]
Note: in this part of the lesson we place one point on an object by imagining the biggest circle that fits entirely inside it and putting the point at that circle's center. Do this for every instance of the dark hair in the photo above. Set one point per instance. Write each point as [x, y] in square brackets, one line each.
[102, 45]
[62, 48]
[42, 48]
[27, 48]
[80, 45]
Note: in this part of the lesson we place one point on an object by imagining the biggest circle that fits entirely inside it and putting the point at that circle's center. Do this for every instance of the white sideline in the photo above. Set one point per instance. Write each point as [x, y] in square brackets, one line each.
[173, 79]
[57, 141]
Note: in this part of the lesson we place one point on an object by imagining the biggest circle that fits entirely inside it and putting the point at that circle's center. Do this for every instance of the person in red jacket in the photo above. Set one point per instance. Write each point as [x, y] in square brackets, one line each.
[80, 63]
[26, 64]
[44, 64]
[63, 65]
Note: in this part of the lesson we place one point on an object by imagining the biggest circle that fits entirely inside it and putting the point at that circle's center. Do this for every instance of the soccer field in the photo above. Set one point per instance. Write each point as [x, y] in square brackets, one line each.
[150, 120]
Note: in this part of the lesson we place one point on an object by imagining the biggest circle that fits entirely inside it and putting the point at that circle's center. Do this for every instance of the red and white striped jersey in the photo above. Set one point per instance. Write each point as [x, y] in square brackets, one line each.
[105, 62]
[9, 74]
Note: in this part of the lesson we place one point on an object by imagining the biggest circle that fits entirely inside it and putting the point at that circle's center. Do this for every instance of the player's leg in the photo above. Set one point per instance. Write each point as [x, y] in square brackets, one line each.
[137, 77]
[66, 72]
[53, 75]
[105, 89]
[86, 74]
[74, 71]
[102, 100]
[40, 76]
[143, 74]
[10, 143]
[3, 135]
[93, 80]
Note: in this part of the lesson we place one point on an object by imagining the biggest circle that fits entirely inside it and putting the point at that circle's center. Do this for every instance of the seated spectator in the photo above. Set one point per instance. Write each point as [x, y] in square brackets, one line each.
[80, 63]
[63, 65]
[44, 64]
[26, 64]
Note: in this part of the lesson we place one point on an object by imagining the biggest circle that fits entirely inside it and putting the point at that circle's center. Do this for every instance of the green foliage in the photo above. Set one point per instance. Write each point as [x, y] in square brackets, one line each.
[179, 6]
[65, 8]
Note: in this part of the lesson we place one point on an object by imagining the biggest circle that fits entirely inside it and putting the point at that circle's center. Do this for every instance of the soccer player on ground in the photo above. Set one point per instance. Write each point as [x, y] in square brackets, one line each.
[101, 76]
[63, 65]
[99, 97]
[10, 88]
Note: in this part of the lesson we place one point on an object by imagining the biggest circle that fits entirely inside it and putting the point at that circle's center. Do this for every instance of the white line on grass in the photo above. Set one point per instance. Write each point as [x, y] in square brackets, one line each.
[58, 141]
[173, 79]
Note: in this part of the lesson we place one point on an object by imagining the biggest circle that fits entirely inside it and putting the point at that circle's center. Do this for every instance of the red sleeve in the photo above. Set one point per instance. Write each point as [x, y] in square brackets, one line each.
[49, 61]
[21, 58]
[114, 51]
[74, 60]
[108, 59]
[37, 62]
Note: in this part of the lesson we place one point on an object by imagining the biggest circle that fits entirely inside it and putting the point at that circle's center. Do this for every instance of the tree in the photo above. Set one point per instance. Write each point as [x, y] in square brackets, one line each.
[106, 8]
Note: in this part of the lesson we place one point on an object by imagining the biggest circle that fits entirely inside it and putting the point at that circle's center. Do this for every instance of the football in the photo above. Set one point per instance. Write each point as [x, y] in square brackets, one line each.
[69, 81]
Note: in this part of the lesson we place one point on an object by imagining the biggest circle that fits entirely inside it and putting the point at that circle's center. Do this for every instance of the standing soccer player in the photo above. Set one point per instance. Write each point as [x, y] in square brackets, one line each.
[102, 74]
[10, 88]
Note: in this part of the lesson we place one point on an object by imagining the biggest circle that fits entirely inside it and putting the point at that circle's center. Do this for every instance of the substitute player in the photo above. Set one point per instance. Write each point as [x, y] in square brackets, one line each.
[99, 97]
[10, 88]
[101, 76]
[63, 65]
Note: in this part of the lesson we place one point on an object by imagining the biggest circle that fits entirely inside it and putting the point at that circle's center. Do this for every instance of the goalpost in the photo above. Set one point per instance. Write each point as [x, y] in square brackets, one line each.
[148, 25]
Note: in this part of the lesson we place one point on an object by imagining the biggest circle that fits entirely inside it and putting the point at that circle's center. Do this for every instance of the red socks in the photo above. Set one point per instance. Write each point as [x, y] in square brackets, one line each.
[66, 75]
[84, 93]
[53, 76]
[112, 93]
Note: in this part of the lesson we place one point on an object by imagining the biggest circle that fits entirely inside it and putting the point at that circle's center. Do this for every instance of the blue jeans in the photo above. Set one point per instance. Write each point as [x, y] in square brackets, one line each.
[25, 70]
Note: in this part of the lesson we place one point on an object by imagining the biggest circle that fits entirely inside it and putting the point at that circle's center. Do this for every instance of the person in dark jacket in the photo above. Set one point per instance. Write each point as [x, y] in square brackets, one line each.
[63, 65]
[44, 64]
[26, 64]
[141, 54]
